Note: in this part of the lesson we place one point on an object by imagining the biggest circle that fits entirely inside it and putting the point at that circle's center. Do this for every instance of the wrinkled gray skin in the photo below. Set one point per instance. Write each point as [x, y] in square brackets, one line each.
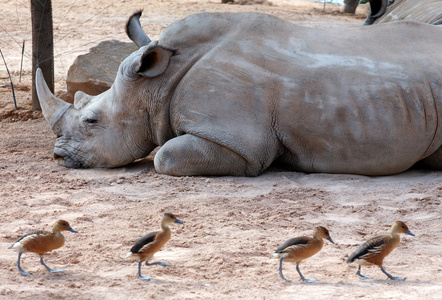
[231, 93]
[426, 11]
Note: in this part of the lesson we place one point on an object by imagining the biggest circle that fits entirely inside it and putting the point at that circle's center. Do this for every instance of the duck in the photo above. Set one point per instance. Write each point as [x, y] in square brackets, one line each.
[300, 248]
[145, 247]
[373, 251]
[41, 242]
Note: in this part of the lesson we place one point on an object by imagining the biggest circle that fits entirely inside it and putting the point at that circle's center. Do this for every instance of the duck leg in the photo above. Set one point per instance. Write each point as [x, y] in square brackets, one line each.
[47, 267]
[280, 270]
[163, 264]
[24, 273]
[302, 277]
[390, 276]
[139, 272]
[358, 272]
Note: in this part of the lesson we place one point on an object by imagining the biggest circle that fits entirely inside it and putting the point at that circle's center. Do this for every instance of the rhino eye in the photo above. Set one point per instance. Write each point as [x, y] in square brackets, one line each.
[91, 121]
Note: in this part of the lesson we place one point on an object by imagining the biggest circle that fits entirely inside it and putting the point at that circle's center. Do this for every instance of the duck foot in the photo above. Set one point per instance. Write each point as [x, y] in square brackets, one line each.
[22, 272]
[48, 268]
[363, 276]
[303, 278]
[139, 272]
[308, 280]
[391, 276]
[55, 271]
[147, 278]
[360, 275]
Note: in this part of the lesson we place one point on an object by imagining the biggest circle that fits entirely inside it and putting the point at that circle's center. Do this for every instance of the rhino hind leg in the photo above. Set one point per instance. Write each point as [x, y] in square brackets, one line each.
[434, 161]
[189, 155]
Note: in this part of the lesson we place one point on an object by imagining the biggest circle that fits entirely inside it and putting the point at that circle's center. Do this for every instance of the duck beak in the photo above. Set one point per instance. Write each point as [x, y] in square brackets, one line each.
[409, 233]
[71, 229]
[330, 239]
[178, 221]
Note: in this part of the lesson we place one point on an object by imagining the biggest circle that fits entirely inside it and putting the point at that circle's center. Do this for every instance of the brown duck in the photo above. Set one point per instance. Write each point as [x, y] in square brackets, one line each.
[41, 242]
[373, 251]
[146, 246]
[300, 248]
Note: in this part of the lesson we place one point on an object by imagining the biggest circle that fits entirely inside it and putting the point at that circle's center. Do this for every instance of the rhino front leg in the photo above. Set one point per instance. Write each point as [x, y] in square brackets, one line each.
[189, 155]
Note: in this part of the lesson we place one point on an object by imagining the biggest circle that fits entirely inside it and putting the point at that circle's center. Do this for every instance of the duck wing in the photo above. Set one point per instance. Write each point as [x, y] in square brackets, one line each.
[144, 240]
[373, 245]
[297, 241]
[29, 235]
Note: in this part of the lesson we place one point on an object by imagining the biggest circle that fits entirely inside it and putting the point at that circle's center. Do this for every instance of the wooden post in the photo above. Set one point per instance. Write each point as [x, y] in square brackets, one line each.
[350, 6]
[42, 45]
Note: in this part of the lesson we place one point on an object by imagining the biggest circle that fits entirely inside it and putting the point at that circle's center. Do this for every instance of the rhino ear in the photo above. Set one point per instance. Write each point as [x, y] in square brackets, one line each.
[154, 61]
[378, 8]
[81, 99]
[135, 32]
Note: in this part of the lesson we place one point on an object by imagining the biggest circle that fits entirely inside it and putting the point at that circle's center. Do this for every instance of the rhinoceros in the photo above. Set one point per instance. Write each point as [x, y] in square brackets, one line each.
[232, 93]
[426, 11]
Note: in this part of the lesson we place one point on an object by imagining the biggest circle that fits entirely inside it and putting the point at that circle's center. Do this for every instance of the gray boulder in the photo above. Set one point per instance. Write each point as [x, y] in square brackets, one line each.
[94, 72]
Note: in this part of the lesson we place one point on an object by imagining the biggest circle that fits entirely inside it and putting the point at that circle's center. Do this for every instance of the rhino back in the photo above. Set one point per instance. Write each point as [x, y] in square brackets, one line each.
[370, 107]
[426, 11]
[319, 100]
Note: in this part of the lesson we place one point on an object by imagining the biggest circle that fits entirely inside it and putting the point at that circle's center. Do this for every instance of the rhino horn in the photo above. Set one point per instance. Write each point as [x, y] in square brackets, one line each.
[135, 32]
[378, 11]
[52, 107]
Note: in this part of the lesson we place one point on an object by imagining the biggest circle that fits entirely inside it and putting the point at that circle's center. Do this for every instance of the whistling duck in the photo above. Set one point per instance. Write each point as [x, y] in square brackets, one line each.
[146, 246]
[300, 248]
[373, 251]
[41, 242]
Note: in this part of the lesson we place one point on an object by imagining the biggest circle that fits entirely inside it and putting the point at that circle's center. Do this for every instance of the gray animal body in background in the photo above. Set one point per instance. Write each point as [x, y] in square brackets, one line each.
[425, 11]
[231, 93]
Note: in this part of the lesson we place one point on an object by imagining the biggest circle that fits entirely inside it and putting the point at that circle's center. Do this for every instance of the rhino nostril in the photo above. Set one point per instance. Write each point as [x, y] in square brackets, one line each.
[58, 157]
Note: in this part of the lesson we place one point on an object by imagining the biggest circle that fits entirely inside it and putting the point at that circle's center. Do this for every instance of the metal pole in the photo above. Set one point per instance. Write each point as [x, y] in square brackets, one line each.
[10, 79]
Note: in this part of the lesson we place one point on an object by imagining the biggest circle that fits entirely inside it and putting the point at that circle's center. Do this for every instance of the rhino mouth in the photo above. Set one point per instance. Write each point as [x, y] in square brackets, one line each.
[69, 158]
[62, 159]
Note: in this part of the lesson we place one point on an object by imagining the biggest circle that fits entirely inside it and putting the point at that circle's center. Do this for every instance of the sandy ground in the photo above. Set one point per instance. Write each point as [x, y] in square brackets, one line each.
[232, 225]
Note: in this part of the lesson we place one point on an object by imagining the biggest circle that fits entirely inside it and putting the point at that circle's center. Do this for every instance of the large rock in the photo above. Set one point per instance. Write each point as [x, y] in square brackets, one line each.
[94, 72]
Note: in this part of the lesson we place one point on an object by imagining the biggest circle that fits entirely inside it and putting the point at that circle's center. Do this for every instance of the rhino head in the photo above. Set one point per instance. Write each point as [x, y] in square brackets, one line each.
[114, 128]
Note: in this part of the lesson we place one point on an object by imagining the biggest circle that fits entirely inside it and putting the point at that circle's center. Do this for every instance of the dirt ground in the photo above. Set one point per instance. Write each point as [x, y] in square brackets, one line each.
[232, 224]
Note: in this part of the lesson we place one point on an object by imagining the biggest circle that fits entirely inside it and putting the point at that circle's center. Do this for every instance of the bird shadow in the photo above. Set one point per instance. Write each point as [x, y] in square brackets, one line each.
[358, 283]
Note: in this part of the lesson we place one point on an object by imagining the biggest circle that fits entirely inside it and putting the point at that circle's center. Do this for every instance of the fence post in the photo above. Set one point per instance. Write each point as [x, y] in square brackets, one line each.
[42, 45]
[350, 6]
